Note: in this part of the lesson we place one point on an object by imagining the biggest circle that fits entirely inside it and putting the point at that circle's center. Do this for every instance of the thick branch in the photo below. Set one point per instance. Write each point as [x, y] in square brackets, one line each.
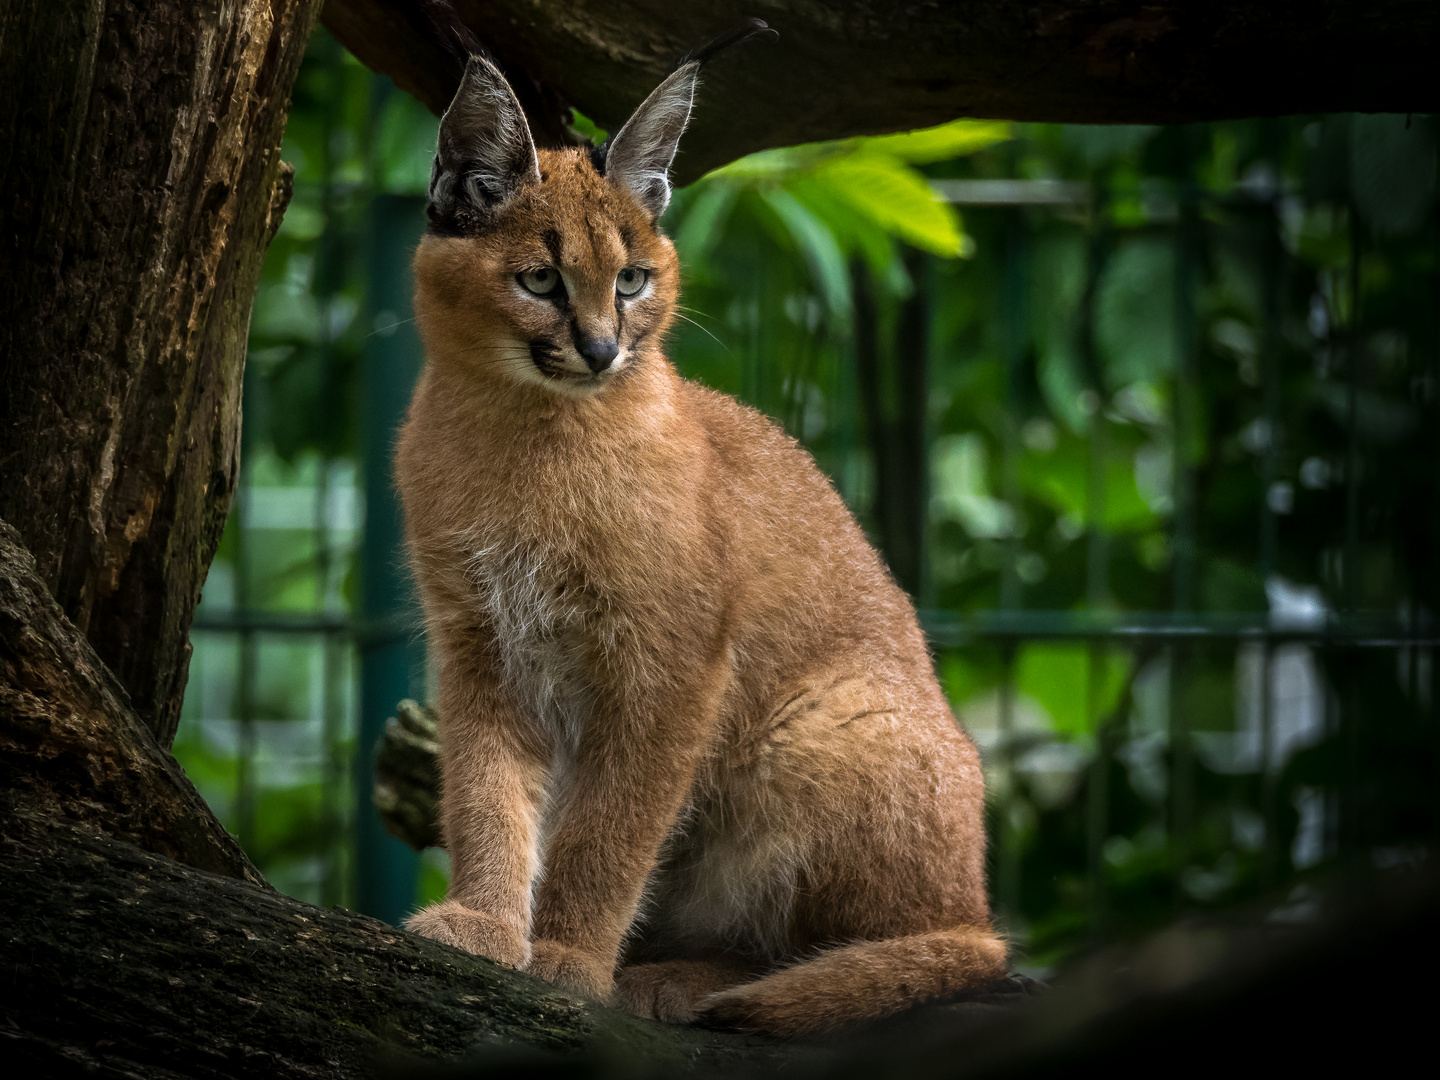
[121, 963]
[71, 745]
[867, 66]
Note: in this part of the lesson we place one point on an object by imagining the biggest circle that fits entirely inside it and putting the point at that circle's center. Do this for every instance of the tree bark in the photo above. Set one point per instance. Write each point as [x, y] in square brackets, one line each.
[867, 66]
[72, 747]
[122, 963]
[140, 183]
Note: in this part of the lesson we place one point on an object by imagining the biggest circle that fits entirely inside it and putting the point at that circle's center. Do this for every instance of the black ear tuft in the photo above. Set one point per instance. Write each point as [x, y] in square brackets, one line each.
[598, 155]
[743, 31]
[485, 152]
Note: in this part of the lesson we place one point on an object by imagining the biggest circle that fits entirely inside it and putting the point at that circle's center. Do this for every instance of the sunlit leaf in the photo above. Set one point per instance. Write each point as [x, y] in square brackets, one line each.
[943, 143]
[779, 163]
[856, 234]
[897, 198]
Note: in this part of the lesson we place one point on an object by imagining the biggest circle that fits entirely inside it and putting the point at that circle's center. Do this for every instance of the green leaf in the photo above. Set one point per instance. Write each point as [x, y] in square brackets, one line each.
[1068, 681]
[1135, 311]
[583, 125]
[817, 244]
[943, 143]
[897, 198]
[960, 489]
[1061, 480]
[853, 232]
[703, 222]
[780, 163]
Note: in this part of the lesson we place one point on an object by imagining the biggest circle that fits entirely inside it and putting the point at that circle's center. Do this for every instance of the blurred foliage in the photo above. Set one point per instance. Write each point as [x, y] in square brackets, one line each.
[1206, 383]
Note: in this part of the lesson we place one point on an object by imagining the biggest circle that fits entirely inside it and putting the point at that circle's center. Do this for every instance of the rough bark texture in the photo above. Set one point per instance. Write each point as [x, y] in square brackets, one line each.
[140, 181]
[865, 66]
[72, 747]
[121, 963]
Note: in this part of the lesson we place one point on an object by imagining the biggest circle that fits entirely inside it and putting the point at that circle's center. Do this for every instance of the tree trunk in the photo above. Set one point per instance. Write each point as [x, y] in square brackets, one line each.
[857, 67]
[72, 747]
[140, 184]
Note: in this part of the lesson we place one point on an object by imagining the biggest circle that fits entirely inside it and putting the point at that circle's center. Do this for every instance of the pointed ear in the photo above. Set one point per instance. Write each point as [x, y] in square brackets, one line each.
[638, 158]
[485, 152]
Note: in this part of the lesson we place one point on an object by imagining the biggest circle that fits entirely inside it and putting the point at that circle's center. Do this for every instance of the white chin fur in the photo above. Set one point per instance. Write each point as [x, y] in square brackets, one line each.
[576, 380]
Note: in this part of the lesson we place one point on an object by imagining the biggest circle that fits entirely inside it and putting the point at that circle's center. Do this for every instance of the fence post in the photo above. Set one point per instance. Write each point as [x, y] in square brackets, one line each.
[386, 870]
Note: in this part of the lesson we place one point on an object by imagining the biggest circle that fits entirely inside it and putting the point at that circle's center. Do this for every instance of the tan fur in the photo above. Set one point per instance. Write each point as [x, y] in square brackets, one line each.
[690, 724]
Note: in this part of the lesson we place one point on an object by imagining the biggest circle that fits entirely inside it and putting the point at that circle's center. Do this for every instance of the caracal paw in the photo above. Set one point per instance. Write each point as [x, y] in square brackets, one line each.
[671, 990]
[474, 931]
[572, 970]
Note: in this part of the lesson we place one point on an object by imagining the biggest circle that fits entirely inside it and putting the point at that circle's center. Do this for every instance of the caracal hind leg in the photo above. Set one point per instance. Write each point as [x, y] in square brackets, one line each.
[889, 817]
[671, 990]
[864, 981]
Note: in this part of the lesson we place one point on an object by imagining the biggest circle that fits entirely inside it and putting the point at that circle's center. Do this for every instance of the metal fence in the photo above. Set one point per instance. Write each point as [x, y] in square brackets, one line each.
[1325, 757]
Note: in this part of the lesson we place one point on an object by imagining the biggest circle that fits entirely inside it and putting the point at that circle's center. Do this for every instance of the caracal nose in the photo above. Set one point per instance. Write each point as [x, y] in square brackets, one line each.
[598, 352]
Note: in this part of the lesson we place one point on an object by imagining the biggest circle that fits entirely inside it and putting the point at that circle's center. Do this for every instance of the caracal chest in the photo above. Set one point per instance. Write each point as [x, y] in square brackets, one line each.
[549, 615]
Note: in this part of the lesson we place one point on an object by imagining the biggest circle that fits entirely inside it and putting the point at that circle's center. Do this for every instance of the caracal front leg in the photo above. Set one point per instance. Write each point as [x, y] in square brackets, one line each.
[492, 777]
[636, 763]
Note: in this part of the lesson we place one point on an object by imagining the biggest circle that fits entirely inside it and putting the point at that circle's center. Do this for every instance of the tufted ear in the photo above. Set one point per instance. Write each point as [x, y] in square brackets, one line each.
[638, 159]
[484, 155]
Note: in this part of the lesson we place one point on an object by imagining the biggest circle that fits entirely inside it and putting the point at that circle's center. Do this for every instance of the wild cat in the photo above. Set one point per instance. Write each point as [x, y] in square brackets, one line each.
[695, 757]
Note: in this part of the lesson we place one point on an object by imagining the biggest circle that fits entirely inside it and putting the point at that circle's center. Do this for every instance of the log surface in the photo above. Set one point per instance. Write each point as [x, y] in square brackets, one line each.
[858, 67]
[118, 962]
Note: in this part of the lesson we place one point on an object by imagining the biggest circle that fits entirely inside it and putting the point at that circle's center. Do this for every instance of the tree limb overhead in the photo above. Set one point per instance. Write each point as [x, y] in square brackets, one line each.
[864, 67]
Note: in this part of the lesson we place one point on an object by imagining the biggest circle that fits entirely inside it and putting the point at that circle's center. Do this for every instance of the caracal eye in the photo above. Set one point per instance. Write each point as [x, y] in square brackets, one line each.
[541, 282]
[630, 281]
